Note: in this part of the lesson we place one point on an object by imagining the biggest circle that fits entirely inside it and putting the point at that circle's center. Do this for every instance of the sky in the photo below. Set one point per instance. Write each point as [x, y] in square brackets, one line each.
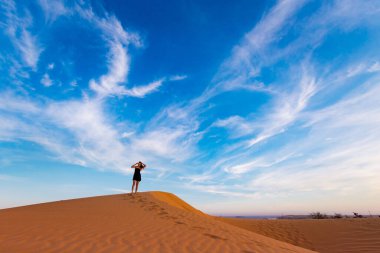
[238, 107]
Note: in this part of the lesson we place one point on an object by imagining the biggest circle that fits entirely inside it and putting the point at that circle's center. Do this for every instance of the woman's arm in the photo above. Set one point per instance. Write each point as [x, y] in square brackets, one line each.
[134, 165]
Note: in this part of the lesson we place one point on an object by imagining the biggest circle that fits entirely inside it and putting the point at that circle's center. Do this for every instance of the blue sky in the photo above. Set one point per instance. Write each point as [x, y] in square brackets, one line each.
[240, 107]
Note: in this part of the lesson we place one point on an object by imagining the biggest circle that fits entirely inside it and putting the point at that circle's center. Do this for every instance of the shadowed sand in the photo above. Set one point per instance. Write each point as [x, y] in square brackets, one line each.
[325, 236]
[145, 222]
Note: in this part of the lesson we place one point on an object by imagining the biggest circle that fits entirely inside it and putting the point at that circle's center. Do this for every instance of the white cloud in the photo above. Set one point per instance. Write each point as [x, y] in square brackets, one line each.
[237, 72]
[17, 104]
[259, 163]
[182, 121]
[50, 66]
[127, 134]
[79, 131]
[29, 48]
[18, 24]
[197, 178]
[177, 77]
[74, 83]
[284, 110]
[118, 40]
[335, 152]
[53, 9]
[247, 57]
[374, 67]
[117, 72]
[362, 68]
[165, 143]
[95, 140]
[337, 156]
[46, 81]
[142, 91]
[238, 125]
[287, 108]
[329, 146]
[76, 131]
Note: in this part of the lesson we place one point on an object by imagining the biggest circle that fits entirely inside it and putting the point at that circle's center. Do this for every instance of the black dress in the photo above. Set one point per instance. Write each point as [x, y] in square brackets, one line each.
[137, 175]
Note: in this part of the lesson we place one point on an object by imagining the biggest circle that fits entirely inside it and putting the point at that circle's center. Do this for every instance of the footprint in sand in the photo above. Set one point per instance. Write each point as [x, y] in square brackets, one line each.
[151, 208]
[215, 237]
[197, 228]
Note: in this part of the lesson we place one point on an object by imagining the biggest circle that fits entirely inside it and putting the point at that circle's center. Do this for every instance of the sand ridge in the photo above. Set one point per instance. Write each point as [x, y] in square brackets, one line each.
[145, 222]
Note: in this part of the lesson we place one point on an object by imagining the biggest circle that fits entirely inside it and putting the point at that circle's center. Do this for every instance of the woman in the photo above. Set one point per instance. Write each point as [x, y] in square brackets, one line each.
[137, 176]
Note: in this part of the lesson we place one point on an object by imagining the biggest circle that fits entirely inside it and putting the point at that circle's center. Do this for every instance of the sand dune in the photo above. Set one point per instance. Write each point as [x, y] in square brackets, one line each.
[146, 222]
[325, 236]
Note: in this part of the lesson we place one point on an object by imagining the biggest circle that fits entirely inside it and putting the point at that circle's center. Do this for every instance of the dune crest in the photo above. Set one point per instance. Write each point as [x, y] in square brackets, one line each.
[173, 200]
[145, 222]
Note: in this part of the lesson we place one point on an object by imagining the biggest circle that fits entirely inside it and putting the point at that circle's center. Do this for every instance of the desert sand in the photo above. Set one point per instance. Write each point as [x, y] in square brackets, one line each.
[145, 222]
[325, 236]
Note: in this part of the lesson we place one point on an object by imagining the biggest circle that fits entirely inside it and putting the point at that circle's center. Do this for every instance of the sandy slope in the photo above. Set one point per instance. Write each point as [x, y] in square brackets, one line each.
[325, 236]
[146, 222]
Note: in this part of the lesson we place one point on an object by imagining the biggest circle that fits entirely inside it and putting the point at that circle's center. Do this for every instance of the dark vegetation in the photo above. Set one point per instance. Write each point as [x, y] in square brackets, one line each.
[319, 215]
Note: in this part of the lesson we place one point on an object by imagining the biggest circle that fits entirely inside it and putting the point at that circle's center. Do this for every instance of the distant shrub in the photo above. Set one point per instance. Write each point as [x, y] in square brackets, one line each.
[356, 215]
[338, 216]
[318, 215]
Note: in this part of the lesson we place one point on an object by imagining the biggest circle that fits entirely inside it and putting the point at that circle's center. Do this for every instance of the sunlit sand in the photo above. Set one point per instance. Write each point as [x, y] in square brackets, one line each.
[145, 222]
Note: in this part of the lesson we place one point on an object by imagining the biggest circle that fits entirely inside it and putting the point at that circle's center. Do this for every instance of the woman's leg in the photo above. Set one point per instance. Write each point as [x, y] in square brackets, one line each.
[133, 185]
[137, 186]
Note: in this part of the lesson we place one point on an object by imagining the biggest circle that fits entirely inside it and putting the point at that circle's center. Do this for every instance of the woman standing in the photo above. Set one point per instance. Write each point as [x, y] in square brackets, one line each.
[137, 175]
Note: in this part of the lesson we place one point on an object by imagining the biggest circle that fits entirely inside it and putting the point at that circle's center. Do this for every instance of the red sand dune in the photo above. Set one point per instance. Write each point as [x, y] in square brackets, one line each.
[146, 222]
[325, 236]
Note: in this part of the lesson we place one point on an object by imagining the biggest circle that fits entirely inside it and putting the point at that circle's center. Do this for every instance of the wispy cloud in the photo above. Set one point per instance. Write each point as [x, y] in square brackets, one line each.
[250, 54]
[286, 109]
[237, 125]
[53, 9]
[332, 141]
[75, 131]
[29, 48]
[118, 39]
[342, 144]
[96, 141]
[117, 72]
[80, 131]
[182, 120]
[114, 82]
[319, 116]
[18, 25]
[142, 91]
[177, 77]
